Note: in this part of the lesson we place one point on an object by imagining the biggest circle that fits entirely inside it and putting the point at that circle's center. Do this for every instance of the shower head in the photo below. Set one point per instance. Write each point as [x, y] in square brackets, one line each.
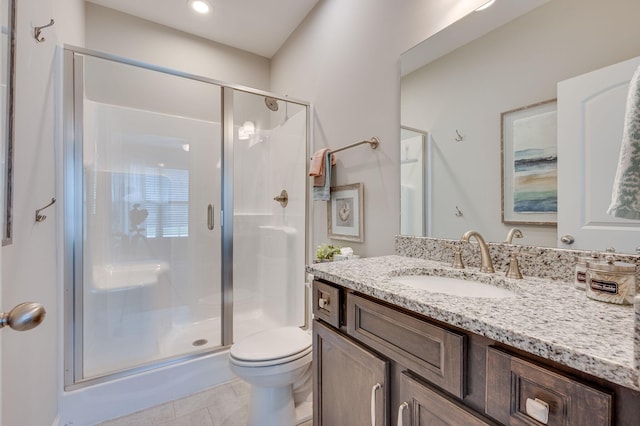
[271, 103]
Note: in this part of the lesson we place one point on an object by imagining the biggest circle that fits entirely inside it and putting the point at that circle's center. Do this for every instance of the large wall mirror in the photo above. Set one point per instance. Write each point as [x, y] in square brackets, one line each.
[7, 83]
[457, 84]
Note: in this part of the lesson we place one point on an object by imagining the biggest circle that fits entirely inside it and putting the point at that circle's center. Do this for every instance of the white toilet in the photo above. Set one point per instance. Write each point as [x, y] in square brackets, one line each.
[277, 365]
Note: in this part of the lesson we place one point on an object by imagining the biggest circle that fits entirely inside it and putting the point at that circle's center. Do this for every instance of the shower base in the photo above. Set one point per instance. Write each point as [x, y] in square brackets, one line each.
[138, 348]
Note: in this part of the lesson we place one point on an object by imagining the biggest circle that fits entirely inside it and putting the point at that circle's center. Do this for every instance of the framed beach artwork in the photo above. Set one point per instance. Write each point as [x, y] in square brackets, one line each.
[529, 165]
[345, 218]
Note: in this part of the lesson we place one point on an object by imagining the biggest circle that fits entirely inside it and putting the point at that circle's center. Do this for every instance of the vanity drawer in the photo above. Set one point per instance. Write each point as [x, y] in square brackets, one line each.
[436, 354]
[327, 303]
[511, 381]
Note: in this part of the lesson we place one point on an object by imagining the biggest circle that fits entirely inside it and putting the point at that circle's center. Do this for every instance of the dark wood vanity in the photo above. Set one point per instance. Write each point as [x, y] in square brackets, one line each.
[375, 363]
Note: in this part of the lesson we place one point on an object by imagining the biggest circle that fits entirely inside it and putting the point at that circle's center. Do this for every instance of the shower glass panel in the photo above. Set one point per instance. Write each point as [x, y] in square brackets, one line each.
[151, 191]
[269, 156]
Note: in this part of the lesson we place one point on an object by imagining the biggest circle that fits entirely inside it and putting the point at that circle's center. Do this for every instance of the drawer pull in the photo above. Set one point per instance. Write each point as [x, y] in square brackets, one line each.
[538, 409]
[323, 303]
[401, 409]
[373, 402]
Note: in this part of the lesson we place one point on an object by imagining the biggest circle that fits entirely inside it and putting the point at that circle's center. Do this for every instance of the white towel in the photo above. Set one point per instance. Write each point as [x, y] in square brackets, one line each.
[625, 199]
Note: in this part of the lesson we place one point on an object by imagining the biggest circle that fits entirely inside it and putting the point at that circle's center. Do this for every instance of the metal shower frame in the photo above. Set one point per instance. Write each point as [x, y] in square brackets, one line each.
[72, 92]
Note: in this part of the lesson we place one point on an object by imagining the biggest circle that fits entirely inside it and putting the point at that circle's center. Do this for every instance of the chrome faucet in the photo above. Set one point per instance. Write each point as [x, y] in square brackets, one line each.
[485, 257]
[513, 232]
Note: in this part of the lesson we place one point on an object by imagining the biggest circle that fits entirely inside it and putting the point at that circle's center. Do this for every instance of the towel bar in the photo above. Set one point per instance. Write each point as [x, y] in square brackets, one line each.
[373, 142]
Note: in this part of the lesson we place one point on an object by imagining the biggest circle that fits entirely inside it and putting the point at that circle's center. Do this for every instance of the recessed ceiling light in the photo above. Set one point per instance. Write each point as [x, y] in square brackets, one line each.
[487, 5]
[200, 6]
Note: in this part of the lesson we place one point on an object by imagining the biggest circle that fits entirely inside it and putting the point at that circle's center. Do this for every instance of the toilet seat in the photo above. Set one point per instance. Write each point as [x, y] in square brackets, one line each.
[271, 347]
[270, 362]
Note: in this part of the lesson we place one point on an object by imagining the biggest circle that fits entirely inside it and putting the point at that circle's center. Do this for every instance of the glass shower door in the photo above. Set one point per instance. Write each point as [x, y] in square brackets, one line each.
[151, 192]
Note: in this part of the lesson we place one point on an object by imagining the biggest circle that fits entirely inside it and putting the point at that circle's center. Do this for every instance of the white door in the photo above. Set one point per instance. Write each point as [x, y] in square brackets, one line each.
[29, 265]
[2, 384]
[591, 111]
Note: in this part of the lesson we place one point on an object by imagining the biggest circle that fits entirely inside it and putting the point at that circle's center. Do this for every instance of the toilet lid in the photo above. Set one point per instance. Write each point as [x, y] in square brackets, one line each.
[271, 344]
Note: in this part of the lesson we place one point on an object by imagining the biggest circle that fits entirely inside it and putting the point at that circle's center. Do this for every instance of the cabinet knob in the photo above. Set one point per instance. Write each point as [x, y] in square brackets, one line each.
[323, 303]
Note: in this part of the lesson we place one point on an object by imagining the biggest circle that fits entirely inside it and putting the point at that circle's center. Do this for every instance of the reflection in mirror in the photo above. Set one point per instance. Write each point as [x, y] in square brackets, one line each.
[413, 182]
[7, 79]
[505, 67]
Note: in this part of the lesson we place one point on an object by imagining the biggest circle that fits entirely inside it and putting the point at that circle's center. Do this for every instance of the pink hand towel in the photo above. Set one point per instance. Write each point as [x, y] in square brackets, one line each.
[317, 167]
[317, 162]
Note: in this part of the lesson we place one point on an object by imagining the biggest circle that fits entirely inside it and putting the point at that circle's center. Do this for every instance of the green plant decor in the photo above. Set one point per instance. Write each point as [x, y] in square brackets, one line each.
[326, 251]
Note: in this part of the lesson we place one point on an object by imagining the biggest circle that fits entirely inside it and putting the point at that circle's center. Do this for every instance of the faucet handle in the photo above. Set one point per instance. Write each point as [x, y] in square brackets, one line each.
[457, 258]
[514, 268]
[457, 254]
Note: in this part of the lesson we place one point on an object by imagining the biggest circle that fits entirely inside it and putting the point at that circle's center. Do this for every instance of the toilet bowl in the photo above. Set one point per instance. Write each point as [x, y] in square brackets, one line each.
[277, 365]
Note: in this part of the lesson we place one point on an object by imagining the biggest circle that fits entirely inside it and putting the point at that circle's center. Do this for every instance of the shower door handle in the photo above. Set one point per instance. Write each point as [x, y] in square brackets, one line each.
[210, 217]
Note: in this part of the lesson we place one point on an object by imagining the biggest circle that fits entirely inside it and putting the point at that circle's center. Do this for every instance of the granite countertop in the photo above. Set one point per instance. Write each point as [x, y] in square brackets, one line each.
[551, 319]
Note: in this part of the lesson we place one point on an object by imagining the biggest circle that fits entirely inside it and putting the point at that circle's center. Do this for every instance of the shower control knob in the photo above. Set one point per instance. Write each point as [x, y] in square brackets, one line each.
[283, 198]
[23, 317]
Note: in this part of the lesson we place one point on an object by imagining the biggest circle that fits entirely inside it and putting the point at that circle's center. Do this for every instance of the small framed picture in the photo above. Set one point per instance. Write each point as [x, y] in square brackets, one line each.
[529, 165]
[345, 218]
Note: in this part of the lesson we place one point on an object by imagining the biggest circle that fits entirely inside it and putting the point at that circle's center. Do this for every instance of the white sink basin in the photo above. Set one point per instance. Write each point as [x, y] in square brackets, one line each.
[453, 286]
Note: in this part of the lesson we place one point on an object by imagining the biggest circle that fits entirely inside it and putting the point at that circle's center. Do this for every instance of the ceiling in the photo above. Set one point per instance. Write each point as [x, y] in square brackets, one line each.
[257, 26]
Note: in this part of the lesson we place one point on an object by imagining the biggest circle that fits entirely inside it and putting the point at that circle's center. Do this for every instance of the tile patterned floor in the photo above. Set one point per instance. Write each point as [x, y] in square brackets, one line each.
[224, 405]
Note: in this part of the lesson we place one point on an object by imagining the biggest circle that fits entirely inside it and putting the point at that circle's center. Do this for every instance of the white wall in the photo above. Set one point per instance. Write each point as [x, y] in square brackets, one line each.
[516, 65]
[344, 59]
[124, 35]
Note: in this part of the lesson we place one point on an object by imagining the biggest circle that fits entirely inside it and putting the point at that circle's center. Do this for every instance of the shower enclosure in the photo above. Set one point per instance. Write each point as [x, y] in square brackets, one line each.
[174, 244]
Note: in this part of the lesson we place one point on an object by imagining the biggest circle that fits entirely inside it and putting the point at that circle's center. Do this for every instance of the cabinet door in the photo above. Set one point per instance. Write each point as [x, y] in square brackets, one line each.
[351, 383]
[426, 406]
